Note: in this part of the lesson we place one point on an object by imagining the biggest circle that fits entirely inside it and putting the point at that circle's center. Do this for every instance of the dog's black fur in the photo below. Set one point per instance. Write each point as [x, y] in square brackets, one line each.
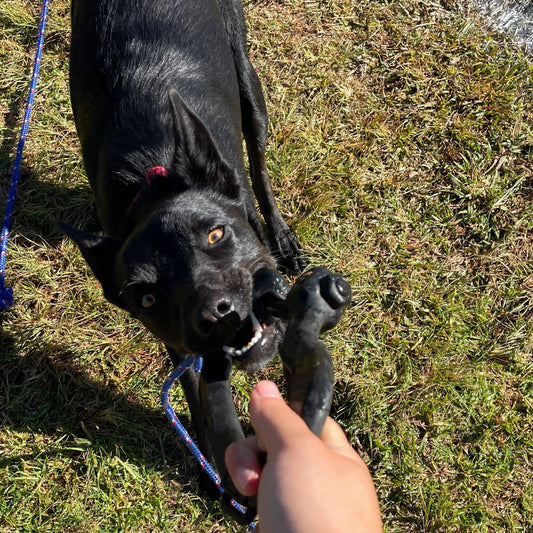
[168, 83]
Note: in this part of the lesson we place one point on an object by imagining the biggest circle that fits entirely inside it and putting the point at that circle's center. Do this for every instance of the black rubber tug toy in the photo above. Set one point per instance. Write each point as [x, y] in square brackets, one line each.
[313, 305]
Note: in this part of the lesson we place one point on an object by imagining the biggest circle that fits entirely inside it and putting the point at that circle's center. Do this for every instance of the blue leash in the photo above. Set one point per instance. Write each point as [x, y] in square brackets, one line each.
[6, 293]
[183, 433]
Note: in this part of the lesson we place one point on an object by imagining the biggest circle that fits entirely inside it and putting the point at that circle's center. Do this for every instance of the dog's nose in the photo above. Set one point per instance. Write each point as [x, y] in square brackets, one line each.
[213, 313]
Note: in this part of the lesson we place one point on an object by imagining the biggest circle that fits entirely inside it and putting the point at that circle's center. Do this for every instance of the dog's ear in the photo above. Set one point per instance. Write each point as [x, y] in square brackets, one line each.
[197, 157]
[100, 253]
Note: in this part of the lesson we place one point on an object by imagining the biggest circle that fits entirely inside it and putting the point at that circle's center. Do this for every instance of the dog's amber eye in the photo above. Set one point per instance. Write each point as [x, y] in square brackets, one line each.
[148, 300]
[215, 235]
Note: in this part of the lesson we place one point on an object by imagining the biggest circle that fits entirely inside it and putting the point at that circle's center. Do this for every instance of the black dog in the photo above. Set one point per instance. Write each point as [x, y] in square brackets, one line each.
[162, 93]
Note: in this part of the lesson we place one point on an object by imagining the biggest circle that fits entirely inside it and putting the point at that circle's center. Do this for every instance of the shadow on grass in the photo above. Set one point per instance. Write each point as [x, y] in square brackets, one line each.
[40, 205]
[8, 145]
[47, 393]
[43, 391]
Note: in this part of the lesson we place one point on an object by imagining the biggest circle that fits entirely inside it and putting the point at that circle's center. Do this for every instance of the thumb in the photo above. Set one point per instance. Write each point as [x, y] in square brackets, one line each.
[276, 425]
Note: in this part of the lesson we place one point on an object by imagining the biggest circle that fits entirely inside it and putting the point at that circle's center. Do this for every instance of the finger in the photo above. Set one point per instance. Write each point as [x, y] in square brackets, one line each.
[332, 433]
[335, 439]
[275, 423]
[243, 462]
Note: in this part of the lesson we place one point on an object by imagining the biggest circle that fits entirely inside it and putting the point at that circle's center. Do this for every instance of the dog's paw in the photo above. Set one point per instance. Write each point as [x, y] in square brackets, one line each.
[288, 252]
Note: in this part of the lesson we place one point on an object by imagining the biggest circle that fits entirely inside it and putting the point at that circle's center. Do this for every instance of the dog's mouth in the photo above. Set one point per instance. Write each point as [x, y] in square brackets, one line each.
[258, 333]
[250, 339]
[248, 336]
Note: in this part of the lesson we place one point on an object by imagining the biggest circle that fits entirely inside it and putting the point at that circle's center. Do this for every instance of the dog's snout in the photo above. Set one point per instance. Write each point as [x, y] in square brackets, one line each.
[216, 308]
[213, 313]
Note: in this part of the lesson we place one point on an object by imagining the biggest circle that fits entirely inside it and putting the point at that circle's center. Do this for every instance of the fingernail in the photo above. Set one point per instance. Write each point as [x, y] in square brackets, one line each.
[267, 389]
[247, 480]
[246, 474]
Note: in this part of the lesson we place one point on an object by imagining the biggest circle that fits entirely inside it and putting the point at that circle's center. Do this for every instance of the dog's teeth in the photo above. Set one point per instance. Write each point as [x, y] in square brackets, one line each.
[255, 323]
[258, 333]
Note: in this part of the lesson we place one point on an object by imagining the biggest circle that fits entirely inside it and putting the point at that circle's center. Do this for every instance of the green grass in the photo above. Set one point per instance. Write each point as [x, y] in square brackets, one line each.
[401, 152]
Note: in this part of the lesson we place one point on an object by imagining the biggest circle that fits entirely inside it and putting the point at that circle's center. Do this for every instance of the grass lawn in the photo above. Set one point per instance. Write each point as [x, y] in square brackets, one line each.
[401, 151]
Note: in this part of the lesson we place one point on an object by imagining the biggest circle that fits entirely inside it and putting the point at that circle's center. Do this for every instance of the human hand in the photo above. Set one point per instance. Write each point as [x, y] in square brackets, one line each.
[308, 484]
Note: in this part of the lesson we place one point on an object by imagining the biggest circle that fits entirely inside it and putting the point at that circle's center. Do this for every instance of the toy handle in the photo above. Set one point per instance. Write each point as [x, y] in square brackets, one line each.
[223, 427]
[314, 304]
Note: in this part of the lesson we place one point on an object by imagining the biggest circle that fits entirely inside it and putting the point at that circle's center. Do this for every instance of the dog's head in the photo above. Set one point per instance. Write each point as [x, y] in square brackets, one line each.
[187, 274]
[186, 268]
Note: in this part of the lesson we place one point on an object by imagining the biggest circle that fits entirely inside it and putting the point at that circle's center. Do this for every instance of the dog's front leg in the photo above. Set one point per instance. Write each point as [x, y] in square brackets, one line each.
[190, 383]
[283, 243]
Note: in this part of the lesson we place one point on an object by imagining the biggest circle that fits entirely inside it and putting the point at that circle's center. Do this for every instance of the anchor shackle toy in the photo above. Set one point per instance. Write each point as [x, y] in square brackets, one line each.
[314, 304]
